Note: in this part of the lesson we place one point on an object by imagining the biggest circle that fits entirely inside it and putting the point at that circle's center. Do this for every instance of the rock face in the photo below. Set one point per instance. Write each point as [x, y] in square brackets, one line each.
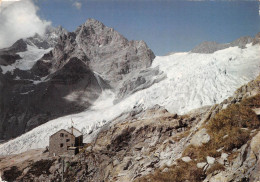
[211, 47]
[49, 39]
[200, 138]
[8, 56]
[142, 80]
[105, 51]
[245, 167]
[25, 105]
[70, 74]
[257, 39]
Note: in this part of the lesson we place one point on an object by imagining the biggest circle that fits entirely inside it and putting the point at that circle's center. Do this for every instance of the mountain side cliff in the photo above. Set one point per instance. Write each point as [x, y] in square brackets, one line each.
[60, 73]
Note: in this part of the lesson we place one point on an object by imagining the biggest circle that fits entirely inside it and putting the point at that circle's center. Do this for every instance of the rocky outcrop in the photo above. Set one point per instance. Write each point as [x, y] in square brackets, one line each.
[49, 39]
[135, 144]
[256, 39]
[221, 147]
[200, 138]
[144, 79]
[18, 46]
[211, 47]
[8, 56]
[245, 166]
[208, 47]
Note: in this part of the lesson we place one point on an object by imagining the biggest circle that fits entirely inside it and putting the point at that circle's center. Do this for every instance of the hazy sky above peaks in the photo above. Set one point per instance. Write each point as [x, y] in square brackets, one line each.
[165, 25]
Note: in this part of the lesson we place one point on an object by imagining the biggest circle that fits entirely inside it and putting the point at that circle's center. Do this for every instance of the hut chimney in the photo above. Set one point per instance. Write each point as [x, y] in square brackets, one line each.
[71, 126]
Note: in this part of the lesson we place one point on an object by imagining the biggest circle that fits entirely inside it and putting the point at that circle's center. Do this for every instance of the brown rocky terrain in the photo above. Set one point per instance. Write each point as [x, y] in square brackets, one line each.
[216, 144]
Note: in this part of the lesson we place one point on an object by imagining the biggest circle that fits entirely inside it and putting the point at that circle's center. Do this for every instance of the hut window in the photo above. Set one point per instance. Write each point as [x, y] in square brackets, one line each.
[61, 135]
[67, 140]
[66, 135]
[61, 145]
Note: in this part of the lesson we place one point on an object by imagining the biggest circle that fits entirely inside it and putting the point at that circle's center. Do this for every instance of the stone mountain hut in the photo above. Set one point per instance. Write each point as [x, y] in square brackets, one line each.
[65, 142]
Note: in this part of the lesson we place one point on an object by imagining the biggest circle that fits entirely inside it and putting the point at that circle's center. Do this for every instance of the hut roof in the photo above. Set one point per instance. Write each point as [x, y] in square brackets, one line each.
[74, 131]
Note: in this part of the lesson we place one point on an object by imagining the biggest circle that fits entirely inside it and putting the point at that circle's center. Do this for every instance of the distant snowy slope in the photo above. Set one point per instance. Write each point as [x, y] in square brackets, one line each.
[193, 80]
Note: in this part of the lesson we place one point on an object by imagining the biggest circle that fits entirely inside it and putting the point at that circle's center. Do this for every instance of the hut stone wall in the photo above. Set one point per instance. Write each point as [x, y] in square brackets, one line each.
[60, 142]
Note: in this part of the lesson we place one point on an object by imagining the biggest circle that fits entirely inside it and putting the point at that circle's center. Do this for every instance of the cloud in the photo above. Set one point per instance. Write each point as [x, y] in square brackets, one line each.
[77, 5]
[19, 19]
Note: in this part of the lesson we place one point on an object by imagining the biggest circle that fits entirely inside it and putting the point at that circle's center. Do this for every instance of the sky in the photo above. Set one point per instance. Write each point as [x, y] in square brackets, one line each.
[165, 25]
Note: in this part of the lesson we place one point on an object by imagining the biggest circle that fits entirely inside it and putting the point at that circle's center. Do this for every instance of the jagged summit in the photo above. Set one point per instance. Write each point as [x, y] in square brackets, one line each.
[19, 46]
[92, 26]
[49, 39]
[105, 50]
[94, 23]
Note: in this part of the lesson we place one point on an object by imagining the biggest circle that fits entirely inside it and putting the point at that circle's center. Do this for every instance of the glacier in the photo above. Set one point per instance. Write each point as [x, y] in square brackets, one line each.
[193, 80]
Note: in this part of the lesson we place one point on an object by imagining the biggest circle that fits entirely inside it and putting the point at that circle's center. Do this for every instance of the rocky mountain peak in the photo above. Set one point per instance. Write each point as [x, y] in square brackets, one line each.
[8, 55]
[96, 34]
[94, 24]
[55, 30]
[19, 46]
[48, 40]
[69, 77]
[104, 50]
[91, 26]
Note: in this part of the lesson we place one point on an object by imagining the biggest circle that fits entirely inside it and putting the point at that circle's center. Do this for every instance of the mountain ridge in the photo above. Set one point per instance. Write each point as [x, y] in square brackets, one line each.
[211, 46]
[33, 63]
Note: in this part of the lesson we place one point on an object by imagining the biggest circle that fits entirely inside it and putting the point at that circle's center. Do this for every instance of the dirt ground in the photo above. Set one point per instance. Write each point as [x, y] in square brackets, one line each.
[22, 160]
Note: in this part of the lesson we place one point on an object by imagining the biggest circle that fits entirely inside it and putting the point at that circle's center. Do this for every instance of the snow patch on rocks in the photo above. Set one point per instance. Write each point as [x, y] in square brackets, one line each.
[29, 58]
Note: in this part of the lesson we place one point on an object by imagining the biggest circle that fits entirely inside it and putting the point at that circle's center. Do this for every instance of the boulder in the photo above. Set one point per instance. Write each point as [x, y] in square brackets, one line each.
[223, 159]
[220, 177]
[210, 160]
[165, 170]
[186, 159]
[201, 137]
[201, 164]
[224, 156]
